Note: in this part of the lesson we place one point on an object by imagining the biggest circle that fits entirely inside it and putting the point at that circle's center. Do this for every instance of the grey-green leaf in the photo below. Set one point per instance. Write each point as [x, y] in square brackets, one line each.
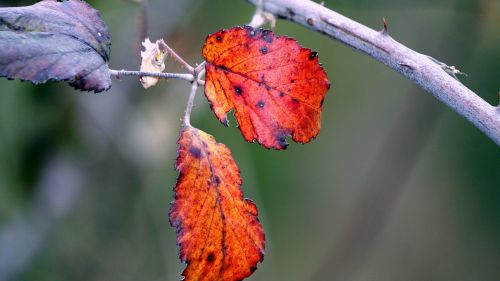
[55, 40]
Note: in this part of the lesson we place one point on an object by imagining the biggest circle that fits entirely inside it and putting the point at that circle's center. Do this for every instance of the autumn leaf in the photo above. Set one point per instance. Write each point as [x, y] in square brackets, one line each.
[218, 232]
[275, 86]
[55, 40]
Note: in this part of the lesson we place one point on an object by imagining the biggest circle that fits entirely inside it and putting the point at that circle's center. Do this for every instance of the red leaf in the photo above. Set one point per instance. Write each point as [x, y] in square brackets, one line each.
[218, 232]
[275, 86]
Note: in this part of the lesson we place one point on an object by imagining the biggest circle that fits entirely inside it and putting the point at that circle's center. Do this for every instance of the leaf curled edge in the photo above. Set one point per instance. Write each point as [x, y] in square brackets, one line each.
[58, 41]
[275, 86]
[153, 60]
[218, 232]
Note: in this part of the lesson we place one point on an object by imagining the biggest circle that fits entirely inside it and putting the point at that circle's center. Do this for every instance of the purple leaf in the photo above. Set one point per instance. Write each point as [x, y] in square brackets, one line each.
[55, 40]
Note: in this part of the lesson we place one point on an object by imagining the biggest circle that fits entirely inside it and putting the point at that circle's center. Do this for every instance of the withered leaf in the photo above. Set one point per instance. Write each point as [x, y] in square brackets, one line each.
[55, 40]
[153, 60]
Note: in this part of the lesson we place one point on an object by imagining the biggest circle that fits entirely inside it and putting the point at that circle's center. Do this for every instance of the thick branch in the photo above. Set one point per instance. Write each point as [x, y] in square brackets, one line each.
[379, 45]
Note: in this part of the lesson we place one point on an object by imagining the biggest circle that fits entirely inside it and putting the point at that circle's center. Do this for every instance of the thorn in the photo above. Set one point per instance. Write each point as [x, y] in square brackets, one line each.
[322, 3]
[385, 31]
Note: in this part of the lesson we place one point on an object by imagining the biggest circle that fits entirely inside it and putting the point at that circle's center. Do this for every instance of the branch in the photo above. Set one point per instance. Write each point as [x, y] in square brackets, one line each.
[189, 106]
[388, 178]
[182, 76]
[379, 45]
[176, 56]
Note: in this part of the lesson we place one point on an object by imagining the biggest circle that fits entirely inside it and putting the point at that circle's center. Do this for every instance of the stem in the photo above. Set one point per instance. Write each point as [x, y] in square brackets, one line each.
[257, 19]
[200, 68]
[177, 57]
[190, 104]
[382, 47]
[182, 76]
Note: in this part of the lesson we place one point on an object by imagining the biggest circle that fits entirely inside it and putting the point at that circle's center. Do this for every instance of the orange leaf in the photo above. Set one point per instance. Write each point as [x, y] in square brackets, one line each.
[218, 232]
[275, 86]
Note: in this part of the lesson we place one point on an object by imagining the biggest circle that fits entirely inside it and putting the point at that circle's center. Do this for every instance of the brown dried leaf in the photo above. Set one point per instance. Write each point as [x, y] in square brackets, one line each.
[153, 60]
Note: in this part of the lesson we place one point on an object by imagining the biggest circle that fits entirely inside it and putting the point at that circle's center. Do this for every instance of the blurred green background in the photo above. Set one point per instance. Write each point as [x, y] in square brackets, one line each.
[395, 187]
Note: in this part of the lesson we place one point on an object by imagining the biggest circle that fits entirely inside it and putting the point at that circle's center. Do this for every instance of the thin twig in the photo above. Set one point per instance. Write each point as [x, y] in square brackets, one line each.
[190, 104]
[176, 56]
[200, 67]
[182, 76]
[198, 72]
[382, 47]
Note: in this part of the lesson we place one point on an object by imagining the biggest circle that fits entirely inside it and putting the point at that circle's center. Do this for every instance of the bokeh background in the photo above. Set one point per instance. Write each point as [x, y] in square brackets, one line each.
[395, 187]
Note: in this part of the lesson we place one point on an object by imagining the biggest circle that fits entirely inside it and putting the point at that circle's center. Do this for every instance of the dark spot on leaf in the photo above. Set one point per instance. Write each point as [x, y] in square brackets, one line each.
[312, 55]
[266, 35]
[292, 81]
[195, 151]
[261, 104]
[210, 257]
[295, 100]
[263, 50]
[218, 38]
[281, 139]
[262, 79]
[282, 94]
[216, 180]
[238, 90]
[250, 32]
